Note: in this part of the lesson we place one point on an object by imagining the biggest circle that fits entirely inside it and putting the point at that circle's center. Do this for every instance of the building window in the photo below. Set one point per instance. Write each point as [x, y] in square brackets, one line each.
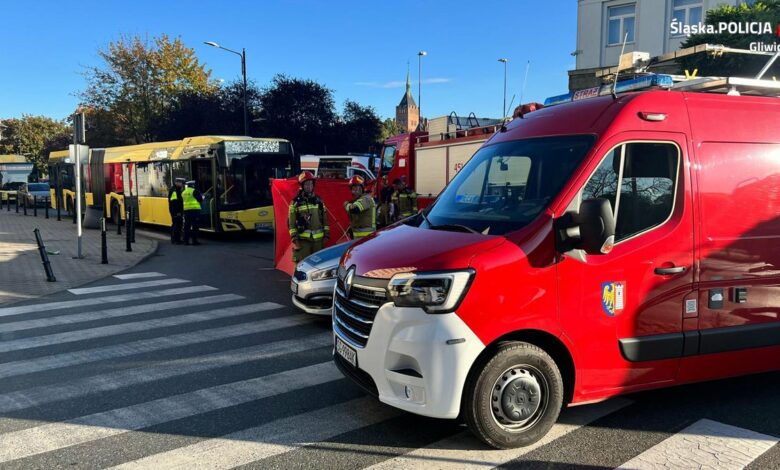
[621, 22]
[688, 12]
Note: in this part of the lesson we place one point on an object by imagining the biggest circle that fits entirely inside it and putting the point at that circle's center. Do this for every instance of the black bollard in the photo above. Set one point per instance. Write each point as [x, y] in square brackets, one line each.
[118, 222]
[103, 243]
[35, 206]
[48, 203]
[44, 257]
[59, 203]
[128, 248]
[25, 204]
[132, 224]
[16, 202]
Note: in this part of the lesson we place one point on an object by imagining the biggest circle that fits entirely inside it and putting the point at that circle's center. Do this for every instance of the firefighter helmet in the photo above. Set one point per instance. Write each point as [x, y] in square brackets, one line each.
[357, 180]
[306, 176]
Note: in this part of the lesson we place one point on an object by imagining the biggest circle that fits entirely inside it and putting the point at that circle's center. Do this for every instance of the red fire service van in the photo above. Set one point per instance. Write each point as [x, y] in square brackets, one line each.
[619, 239]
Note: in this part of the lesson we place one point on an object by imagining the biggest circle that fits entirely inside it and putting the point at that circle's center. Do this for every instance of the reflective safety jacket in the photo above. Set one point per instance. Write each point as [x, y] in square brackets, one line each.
[406, 202]
[362, 216]
[307, 220]
[191, 198]
[175, 202]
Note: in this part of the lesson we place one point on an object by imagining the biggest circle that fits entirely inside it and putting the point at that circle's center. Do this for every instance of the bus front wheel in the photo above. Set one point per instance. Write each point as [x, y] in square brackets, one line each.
[514, 397]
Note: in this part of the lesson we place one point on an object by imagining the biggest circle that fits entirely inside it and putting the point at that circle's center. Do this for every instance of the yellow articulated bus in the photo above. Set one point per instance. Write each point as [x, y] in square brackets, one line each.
[233, 174]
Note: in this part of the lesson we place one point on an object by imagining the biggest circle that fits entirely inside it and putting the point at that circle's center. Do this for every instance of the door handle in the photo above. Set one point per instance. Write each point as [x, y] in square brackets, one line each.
[668, 271]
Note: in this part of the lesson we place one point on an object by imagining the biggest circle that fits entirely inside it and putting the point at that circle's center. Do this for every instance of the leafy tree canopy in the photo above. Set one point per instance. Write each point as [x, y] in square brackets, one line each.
[765, 11]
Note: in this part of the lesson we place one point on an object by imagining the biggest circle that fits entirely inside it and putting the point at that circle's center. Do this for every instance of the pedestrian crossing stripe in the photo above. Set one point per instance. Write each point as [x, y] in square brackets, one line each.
[138, 275]
[127, 286]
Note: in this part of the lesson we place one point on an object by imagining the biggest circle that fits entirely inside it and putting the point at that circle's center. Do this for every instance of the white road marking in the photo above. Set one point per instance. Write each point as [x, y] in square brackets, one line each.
[38, 396]
[111, 299]
[464, 451]
[269, 439]
[133, 327]
[55, 361]
[116, 312]
[138, 275]
[705, 444]
[128, 286]
[54, 436]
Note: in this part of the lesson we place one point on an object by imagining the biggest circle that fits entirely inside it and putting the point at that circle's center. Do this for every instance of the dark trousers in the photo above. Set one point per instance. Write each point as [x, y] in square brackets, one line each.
[176, 227]
[191, 226]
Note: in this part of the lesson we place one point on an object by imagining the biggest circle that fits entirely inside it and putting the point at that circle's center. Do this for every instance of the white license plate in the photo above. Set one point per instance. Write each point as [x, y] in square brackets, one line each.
[263, 227]
[346, 352]
[294, 287]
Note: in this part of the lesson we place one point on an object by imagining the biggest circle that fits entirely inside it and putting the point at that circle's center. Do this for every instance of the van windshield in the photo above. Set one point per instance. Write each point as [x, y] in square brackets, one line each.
[505, 186]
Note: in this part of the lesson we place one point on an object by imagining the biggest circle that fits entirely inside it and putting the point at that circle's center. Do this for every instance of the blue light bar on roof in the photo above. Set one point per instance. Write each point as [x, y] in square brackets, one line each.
[635, 84]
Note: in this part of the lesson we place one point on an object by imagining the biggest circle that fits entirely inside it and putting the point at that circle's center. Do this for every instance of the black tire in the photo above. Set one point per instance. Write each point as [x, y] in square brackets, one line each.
[513, 398]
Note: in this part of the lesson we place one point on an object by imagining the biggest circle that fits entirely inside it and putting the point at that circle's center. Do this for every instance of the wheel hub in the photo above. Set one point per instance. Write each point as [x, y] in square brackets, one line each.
[517, 396]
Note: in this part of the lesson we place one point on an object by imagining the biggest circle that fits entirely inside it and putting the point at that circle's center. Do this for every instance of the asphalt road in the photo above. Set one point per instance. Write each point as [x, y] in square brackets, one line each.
[201, 362]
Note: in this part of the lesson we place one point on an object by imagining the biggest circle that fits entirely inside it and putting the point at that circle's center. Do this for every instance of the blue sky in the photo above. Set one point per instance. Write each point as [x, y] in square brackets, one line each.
[359, 49]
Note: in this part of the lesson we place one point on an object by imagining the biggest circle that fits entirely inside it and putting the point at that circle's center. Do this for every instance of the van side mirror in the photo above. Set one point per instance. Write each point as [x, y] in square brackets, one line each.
[592, 229]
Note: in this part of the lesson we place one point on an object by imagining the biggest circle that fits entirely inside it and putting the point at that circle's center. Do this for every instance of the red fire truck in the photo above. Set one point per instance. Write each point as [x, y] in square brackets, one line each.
[429, 160]
[620, 239]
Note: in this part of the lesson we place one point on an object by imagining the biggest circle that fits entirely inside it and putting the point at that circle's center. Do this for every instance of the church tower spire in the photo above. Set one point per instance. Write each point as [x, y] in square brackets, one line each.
[407, 113]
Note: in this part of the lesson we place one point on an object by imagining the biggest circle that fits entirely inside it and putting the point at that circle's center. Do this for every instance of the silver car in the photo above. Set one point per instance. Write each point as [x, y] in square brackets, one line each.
[315, 278]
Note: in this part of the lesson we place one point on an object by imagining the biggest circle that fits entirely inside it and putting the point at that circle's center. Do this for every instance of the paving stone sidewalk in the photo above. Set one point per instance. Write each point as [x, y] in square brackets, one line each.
[21, 271]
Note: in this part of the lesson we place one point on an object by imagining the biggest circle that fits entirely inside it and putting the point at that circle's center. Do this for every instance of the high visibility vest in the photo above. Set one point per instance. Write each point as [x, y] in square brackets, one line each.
[188, 196]
[364, 222]
[406, 201]
[306, 218]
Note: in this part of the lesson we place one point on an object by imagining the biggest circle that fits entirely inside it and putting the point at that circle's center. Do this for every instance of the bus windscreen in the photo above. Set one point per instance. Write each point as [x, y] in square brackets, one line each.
[245, 183]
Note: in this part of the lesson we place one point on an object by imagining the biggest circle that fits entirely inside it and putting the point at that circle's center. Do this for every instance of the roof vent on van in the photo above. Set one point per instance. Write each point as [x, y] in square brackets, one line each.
[653, 117]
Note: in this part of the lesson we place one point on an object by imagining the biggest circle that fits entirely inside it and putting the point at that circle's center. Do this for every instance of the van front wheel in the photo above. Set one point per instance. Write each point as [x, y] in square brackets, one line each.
[514, 398]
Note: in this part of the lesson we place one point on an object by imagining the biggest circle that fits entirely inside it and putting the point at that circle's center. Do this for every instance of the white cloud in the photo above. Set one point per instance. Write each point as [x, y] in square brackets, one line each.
[401, 84]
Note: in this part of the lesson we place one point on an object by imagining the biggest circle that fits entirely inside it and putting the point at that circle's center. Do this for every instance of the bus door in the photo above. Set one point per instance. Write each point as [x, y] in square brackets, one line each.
[130, 188]
[204, 174]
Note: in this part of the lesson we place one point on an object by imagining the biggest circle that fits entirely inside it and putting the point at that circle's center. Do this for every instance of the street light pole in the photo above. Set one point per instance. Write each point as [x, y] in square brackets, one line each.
[419, 87]
[241, 54]
[503, 110]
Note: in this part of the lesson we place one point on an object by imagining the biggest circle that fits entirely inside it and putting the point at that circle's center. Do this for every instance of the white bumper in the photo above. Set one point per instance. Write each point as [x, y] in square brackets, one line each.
[428, 355]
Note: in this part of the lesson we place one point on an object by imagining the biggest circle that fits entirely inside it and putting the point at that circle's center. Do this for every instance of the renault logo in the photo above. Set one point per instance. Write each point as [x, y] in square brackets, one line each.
[348, 281]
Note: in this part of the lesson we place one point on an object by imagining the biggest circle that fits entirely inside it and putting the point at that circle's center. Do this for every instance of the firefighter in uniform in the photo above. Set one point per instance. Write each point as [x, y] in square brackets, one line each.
[385, 203]
[361, 210]
[192, 199]
[405, 199]
[176, 209]
[306, 221]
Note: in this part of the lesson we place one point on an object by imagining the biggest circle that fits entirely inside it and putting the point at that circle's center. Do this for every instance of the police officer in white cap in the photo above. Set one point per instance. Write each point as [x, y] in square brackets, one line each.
[192, 200]
[176, 209]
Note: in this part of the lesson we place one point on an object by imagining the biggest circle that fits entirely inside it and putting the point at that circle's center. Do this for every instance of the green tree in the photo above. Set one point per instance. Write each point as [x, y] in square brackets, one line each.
[389, 129]
[302, 111]
[766, 11]
[34, 137]
[138, 84]
[359, 129]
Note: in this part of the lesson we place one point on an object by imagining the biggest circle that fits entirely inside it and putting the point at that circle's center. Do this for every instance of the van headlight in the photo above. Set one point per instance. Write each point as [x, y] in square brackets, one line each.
[324, 274]
[435, 292]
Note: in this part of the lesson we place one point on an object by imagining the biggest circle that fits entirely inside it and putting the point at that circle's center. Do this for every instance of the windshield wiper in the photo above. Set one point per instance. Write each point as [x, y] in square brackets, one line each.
[453, 226]
[447, 226]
